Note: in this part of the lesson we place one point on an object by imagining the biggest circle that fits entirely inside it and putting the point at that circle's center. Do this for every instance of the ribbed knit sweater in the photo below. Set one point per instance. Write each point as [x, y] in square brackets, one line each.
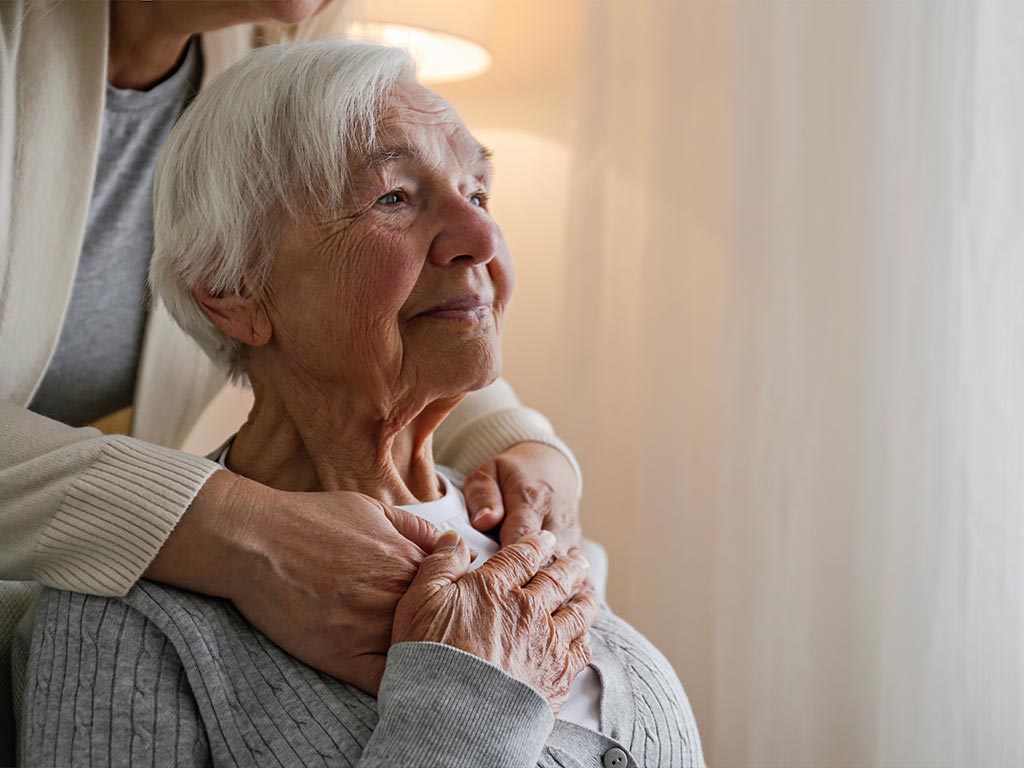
[167, 677]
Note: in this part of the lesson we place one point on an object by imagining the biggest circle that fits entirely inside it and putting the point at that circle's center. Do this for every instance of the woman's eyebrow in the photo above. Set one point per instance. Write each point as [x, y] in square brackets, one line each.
[485, 157]
[379, 156]
[385, 155]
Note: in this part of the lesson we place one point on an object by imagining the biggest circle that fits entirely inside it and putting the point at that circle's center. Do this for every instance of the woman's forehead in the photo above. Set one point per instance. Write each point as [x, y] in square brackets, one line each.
[421, 126]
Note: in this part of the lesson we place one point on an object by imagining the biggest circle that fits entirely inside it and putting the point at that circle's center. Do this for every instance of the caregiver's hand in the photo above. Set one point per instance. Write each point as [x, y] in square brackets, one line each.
[516, 611]
[529, 487]
[319, 573]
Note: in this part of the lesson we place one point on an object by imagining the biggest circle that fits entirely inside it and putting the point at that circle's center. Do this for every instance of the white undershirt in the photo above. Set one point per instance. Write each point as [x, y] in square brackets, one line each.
[449, 513]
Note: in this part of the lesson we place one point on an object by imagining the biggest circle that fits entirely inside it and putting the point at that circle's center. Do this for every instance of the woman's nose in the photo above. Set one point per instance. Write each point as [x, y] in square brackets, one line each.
[467, 234]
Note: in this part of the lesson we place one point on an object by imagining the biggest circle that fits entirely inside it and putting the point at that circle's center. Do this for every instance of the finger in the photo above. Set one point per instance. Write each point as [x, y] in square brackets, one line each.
[555, 583]
[448, 562]
[569, 534]
[519, 522]
[417, 530]
[574, 618]
[483, 497]
[525, 512]
[579, 654]
[517, 563]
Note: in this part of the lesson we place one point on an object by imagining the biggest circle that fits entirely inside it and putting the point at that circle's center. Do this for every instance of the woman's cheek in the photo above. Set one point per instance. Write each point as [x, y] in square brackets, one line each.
[379, 272]
[503, 275]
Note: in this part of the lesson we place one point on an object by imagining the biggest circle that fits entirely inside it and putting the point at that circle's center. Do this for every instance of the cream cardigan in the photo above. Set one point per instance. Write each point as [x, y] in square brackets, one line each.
[80, 510]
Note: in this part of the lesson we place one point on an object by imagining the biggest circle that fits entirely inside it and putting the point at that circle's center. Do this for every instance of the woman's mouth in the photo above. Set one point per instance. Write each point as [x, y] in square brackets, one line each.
[468, 308]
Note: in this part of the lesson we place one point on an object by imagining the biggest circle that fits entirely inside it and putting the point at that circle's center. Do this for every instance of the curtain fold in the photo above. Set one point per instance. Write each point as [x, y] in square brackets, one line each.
[794, 366]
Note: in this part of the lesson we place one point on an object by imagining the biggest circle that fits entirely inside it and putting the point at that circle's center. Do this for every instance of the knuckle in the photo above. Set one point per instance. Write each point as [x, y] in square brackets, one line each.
[537, 494]
[519, 556]
[575, 567]
[547, 585]
[584, 656]
[528, 549]
[526, 604]
[478, 477]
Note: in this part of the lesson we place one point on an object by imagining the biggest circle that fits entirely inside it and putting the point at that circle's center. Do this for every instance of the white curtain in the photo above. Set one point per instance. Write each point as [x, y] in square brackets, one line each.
[792, 345]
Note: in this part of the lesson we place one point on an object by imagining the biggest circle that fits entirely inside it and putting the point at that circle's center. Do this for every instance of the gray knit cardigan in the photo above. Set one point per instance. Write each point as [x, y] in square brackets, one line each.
[167, 677]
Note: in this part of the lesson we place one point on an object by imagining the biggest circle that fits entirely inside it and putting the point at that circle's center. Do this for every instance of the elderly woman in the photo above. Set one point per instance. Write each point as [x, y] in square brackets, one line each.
[322, 229]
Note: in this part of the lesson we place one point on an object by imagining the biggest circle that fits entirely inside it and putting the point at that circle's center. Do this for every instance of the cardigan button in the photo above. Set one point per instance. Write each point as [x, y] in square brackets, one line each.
[614, 758]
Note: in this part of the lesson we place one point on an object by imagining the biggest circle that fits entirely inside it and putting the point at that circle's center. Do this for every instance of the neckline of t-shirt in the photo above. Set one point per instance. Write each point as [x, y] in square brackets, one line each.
[441, 510]
[437, 511]
[184, 77]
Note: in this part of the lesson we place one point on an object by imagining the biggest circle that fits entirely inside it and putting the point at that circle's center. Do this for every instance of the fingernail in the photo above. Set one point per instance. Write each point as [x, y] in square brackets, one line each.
[548, 538]
[480, 513]
[449, 540]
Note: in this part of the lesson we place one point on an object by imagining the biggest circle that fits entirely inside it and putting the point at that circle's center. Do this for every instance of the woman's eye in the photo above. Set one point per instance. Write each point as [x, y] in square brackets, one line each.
[391, 198]
[479, 199]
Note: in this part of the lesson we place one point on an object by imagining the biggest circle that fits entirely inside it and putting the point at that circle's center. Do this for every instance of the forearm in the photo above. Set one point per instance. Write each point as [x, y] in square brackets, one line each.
[445, 708]
[208, 549]
[83, 511]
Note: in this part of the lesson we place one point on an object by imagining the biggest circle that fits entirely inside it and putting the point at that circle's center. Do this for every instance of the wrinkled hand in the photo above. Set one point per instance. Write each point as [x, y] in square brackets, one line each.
[529, 487]
[517, 611]
[319, 573]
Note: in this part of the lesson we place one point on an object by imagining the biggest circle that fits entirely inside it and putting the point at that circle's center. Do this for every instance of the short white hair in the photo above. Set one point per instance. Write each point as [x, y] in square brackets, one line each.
[269, 139]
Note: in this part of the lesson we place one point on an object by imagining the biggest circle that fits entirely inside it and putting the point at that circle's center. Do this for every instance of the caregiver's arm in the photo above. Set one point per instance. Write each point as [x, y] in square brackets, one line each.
[92, 513]
[83, 511]
[483, 660]
[519, 474]
[89, 513]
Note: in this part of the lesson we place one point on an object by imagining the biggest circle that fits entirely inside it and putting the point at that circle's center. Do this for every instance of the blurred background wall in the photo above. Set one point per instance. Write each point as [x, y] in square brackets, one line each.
[771, 291]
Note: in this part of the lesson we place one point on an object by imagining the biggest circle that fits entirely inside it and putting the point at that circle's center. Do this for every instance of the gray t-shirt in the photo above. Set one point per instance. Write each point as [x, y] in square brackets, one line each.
[92, 373]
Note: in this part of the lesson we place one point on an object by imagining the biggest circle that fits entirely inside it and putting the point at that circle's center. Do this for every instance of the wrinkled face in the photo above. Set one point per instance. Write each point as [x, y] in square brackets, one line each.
[402, 294]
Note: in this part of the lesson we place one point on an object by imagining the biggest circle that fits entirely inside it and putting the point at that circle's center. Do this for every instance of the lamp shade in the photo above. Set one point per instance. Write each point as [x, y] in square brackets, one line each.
[447, 39]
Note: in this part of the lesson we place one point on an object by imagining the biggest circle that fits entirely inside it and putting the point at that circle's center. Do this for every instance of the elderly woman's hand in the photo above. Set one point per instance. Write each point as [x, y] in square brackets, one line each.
[318, 573]
[516, 611]
[529, 487]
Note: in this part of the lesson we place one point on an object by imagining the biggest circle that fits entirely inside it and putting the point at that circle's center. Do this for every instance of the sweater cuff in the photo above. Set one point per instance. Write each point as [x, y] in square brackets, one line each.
[446, 708]
[493, 433]
[117, 515]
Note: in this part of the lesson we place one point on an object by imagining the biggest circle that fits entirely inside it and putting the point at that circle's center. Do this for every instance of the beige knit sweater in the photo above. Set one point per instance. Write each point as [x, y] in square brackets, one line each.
[80, 510]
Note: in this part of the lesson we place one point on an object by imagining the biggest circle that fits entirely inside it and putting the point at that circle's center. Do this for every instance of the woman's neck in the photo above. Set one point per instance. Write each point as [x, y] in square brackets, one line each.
[295, 441]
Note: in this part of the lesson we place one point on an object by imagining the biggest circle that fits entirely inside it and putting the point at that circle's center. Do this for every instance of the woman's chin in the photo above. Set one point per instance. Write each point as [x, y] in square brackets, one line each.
[292, 11]
[463, 369]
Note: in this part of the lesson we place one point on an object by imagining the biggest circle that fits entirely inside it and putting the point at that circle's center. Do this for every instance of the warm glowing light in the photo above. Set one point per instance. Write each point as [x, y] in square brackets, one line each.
[439, 57]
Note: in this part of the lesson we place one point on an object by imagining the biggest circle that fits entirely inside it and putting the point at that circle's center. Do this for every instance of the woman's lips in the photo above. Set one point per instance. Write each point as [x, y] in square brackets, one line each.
[470, 309]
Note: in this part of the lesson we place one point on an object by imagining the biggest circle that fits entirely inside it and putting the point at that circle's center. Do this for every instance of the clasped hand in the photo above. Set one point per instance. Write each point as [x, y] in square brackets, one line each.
[322, 574]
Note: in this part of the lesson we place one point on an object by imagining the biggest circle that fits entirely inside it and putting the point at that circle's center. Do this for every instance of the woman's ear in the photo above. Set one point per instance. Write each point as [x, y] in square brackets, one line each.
[240, 317]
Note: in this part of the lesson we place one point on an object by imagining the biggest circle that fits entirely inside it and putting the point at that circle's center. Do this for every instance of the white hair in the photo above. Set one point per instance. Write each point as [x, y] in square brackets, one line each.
[268, 139]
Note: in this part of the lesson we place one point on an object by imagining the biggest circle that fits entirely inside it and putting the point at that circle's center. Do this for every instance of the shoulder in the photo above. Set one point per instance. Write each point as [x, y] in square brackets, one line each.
[103, 681]
[151, 626]
[137, 630]
[647, 700]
